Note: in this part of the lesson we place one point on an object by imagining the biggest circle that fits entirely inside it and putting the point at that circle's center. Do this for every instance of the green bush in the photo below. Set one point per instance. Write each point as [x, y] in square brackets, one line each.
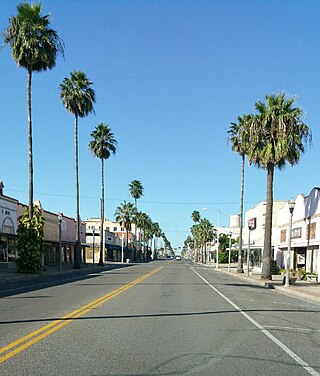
[301, 274]
[223, 257]
[30, 242]
[274, 267]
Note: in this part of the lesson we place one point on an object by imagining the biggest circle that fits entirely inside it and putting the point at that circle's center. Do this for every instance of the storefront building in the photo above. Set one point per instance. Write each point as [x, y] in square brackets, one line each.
[114, 236]
[51, 237]
[8, 229]
[305, 233]
[255, 218]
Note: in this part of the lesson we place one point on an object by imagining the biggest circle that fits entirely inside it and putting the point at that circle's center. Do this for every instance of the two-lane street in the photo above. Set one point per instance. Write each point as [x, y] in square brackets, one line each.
[161, 318]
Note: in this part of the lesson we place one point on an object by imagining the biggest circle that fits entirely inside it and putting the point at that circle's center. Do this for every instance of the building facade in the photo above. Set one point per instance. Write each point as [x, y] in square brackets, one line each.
[51, 237]
[8, 229]
[305, 235]
[255, 217]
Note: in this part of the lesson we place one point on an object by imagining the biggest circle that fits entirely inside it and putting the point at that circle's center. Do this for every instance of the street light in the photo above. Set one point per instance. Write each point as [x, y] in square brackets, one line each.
[251, 225]
[229, 259]
[93, 241]
[291, 204]
[60, 242]
[122, 247]
[217, 253]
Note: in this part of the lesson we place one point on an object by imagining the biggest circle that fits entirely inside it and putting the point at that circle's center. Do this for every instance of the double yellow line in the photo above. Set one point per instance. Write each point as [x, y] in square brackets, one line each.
[23, 343]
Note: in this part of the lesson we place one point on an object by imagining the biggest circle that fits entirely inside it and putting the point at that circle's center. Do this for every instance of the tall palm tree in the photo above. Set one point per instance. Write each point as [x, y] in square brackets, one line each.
[278, 137]
[156, 234]
[240, 138]
[195, 216]
[148, 232]
[136, 191]
[102, 146]
[139, 220]
[78, 98]
[124, 215]
[144, 222]
[34, 46]
[206, 235]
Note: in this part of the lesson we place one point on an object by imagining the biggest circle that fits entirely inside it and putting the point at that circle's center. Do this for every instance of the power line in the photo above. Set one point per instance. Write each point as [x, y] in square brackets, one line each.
[141, 201]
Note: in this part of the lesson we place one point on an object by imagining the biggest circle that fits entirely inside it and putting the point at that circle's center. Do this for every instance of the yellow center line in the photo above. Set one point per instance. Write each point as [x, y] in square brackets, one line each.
[46, 330]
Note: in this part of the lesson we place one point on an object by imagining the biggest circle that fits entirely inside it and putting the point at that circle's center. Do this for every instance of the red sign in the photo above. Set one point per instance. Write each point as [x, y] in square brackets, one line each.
[252, 223]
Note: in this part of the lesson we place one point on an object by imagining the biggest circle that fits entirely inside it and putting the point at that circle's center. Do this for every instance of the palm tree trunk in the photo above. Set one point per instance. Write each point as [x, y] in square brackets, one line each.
[266, 260]
[30, 144]
[240, 263]
[135, 233]
[102, 215]
[76, 147]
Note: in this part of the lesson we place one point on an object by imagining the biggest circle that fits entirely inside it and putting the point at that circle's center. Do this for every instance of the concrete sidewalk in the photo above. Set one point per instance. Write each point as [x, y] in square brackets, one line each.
[309, 291]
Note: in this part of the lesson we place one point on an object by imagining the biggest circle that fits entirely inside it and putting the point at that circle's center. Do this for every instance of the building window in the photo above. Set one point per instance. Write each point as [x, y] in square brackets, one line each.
[107, 228]
[122, 229]
[115, 229]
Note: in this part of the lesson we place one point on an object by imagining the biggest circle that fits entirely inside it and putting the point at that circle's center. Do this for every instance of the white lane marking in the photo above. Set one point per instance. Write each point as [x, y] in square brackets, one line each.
[286, 349]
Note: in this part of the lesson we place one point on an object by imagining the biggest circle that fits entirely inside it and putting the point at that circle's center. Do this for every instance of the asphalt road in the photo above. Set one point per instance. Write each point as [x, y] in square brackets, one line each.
[161, 318]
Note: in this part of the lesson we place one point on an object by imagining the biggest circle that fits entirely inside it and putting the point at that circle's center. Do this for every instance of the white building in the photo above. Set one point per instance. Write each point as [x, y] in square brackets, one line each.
[114, 235]
[256, 217]
[305, 235]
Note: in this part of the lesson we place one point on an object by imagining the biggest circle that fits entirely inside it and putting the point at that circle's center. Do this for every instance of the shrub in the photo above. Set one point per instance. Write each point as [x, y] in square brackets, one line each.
[30, 242]
[274, 267]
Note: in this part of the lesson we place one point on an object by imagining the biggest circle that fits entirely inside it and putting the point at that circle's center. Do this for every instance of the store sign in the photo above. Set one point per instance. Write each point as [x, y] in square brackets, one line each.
[296, 233]
[252, 223]
[301, 259]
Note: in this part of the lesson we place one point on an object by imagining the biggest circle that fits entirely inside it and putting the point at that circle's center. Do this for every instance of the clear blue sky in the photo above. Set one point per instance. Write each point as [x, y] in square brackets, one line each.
[169, 78]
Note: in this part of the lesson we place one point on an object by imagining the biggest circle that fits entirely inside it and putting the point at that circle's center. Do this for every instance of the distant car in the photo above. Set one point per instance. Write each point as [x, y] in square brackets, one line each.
[178, 258]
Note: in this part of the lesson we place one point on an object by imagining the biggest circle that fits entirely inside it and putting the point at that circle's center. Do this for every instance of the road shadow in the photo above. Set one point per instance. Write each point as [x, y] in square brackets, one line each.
[43, 281]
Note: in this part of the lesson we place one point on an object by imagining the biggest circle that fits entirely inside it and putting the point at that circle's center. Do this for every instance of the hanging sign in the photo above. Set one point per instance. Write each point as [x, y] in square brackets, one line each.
[252, 223]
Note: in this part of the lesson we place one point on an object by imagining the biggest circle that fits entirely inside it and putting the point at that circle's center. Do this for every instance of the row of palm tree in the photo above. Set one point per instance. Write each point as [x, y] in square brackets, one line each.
[202, 233]
[127, 214]
[272, 138]
[35, 46]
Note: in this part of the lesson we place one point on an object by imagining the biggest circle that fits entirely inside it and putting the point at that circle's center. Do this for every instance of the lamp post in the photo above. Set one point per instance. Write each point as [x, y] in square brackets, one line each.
[291, 208]
[248, 251]
[229, 258]
[60, 242]
[122, 248]
[217, 260]
[93, 241]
